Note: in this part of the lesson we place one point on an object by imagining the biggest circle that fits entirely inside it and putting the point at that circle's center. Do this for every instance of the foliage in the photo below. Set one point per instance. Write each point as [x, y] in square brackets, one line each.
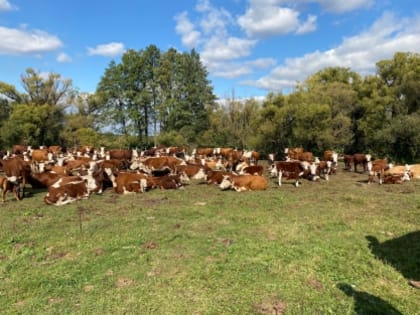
[153, 97]
[168, 91]
[37, 115]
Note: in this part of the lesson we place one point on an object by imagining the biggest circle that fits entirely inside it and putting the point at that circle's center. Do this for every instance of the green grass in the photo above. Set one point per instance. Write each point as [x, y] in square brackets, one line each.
[337, 247]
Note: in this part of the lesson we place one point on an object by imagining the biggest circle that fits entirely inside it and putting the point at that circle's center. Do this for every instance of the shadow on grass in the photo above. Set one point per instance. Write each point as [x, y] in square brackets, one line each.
[368, 304]
[403, 253]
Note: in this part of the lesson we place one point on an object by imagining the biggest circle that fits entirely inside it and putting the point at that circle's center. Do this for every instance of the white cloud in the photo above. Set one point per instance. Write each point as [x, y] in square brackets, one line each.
[360, 53]
[269, 20]
[190, 37]
[21, 41]
[334, 6]
[6, 6]
[345, 5]
[308, 26]
[107, 50]
[222, 49]
[63, 58]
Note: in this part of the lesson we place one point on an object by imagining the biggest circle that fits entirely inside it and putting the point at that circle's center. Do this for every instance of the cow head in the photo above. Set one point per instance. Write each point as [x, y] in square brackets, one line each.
[226, 183]
[273, 170]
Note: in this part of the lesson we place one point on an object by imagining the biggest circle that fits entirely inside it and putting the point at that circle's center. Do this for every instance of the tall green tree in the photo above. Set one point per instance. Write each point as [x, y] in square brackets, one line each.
[193, 98]
[37, 114]
[149, 89]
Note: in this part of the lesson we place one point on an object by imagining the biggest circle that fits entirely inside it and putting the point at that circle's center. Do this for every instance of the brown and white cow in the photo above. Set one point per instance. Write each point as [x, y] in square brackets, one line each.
[6, 186]
[331, 156]
[127, 182]
[252, 170]
[215, 176]
[66, 193]
[377, 168]
[174, 181]
[243, 182]
[252, 156]
[157, 163]
[287, 170]
[414, 171]
[17, 172]
[193, 171]
[361, 159]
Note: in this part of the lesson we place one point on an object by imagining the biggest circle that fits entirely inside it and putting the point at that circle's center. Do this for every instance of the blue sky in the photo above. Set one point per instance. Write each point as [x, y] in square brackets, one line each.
[249, 47]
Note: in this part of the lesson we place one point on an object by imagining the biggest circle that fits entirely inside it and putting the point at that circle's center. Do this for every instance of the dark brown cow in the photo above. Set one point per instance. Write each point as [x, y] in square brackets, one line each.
[126, 183]
[121, 154]
[361, 159]
[348, 161]
[19, 149]
[216, 177]
[243, 182]
[114, 164]
[168, 181]
[5, 186]
[288, 170]
[86, 150]
[253, 170]
[377, 169]
[66, 193]
[17, 172]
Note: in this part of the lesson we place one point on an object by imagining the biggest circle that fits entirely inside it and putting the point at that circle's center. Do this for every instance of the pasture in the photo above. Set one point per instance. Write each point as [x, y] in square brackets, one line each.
[337, 247]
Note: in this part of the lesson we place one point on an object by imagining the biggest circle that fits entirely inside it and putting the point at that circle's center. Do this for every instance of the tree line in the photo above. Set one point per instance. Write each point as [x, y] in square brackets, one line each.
[153, 97]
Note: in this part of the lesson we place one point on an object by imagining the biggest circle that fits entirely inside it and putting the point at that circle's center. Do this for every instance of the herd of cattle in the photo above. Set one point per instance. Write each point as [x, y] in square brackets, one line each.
[78, 173]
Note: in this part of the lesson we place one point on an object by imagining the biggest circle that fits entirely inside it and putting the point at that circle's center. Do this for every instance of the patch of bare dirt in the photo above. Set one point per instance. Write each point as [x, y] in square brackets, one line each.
[124, 282]
[314, 284]
[99, 251]
[151, 245]
[226, 242]
[270, 307]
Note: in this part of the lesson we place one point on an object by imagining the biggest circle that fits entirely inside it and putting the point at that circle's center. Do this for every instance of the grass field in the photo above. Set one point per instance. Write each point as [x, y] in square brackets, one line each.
[337, 247]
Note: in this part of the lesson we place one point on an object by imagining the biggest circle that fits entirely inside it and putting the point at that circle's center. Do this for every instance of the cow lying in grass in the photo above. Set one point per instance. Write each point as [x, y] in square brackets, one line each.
[243, 182]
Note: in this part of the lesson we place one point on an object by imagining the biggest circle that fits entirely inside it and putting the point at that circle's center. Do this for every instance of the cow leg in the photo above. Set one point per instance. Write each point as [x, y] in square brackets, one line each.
[18, 192]
[280, 175]
[381, 177]
[15, 189]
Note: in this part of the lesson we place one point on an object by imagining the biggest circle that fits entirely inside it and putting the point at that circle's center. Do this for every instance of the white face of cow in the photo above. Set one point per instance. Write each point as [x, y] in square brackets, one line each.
[273, 171]
[226, 183]
[406, 176]
[313, 167]
[335, 157]
[184, 178]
